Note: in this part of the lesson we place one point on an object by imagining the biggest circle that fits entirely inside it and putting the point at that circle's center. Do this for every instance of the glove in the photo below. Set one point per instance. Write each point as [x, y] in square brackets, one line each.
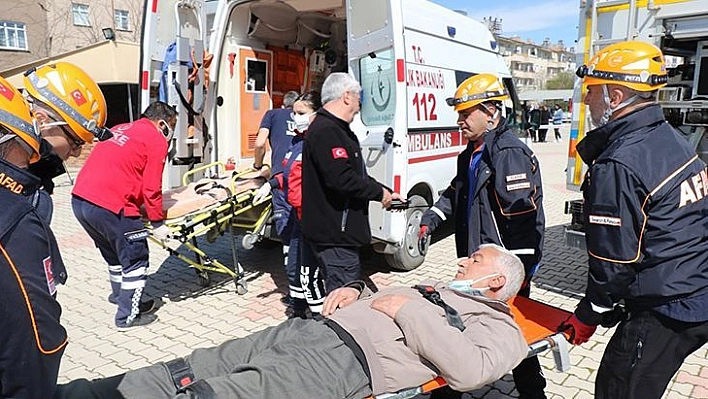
[423, 232]
[580, 332]
[261, 193]
[161, 233]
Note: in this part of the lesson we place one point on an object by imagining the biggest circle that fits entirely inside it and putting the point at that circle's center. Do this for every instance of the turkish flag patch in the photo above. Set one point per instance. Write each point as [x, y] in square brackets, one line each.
[339, 153]
[79, 98]
[6, 92]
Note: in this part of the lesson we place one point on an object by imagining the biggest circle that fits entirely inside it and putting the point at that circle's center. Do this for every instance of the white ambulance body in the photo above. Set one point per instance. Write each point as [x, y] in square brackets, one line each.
[409, 56]
[680, 29]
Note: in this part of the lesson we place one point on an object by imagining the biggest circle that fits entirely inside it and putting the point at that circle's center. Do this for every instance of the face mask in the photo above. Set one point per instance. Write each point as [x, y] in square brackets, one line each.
[465, 286]
[302, 122]
[608, 110]
[166, 130]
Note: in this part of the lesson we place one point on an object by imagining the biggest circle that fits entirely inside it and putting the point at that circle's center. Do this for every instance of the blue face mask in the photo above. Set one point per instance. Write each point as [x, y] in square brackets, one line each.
[465, 286]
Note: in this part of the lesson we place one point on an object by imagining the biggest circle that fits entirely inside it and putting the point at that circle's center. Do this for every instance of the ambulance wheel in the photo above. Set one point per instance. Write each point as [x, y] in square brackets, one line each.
[241, 286]
[203, 278]
[408, 256]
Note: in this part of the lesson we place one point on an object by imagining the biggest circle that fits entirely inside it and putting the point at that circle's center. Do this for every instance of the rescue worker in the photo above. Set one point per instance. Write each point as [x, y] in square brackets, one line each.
[71, 111]
[646, 227]
[121, 175]
[290, 182]
[495, 197]
[32, 339]
[278, 130]
[336, 189]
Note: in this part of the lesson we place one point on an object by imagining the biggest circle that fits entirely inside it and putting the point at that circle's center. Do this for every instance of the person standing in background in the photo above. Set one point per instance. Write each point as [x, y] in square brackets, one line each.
[557, 121]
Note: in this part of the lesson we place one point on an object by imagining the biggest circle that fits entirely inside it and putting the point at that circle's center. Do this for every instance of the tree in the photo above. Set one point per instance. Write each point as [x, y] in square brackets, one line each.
[563, 80]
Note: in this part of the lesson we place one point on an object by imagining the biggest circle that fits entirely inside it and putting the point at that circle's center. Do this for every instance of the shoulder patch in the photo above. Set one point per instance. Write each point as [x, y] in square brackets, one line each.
[339, 153]
[605, 220]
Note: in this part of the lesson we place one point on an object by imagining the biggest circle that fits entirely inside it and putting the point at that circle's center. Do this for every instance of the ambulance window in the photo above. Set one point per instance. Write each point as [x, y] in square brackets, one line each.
[378, 79]
[256, 75]
[368, 16]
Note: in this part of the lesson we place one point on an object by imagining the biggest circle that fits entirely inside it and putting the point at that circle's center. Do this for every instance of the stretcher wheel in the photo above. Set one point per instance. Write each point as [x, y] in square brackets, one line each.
[241, 286]
[249, 241]
[203, 278]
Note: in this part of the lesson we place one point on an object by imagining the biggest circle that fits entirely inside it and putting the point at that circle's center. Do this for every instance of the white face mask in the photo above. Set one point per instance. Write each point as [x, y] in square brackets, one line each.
[166, 130]
[465, 286]
[302, 122]
[608, 110]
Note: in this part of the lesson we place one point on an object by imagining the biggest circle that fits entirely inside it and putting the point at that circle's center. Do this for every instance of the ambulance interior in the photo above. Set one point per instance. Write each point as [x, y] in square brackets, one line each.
[269, 48]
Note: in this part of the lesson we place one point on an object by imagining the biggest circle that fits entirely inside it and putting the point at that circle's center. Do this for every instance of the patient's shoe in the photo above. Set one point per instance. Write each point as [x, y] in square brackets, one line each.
[140, 320]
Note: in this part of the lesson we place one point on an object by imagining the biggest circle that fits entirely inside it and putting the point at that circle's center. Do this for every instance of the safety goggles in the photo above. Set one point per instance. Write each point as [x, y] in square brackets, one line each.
[451, 101]
[644, 77]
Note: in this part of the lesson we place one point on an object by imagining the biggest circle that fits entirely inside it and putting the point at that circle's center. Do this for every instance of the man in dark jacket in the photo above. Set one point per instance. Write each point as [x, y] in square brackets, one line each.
[496, 196]
[646, 227]
[32, 340]
[336, 190]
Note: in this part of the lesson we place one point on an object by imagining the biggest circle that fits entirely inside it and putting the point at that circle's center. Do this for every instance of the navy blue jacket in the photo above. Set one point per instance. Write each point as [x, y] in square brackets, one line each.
[646, 219]
[32, 338]
[507, 206]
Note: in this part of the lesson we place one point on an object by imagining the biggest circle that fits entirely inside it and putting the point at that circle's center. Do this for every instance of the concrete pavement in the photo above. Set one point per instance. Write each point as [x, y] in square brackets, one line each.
[193, 317]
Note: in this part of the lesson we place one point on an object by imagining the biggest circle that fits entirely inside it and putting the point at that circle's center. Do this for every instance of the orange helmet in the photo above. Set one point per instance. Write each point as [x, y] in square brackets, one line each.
[16, 117]
[476, 90]
[634, 64]
[71, 93]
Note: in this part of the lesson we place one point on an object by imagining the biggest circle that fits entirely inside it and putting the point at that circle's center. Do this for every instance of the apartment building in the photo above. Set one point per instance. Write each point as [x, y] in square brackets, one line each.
[532, 64]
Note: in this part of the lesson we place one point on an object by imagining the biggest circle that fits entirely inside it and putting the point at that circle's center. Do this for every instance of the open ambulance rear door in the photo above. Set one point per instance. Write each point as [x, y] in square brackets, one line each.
[172, 70]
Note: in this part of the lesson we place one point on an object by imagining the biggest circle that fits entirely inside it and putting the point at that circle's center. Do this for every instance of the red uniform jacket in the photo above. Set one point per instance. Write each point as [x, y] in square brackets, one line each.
[125, 172]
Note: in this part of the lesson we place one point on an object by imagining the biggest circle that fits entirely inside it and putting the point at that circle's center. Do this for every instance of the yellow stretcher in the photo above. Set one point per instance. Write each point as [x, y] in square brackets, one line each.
[538, 322]
[210, 207]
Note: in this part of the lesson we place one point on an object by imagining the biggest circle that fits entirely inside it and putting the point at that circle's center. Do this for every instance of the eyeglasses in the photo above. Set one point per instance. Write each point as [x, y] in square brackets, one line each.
[75, 142]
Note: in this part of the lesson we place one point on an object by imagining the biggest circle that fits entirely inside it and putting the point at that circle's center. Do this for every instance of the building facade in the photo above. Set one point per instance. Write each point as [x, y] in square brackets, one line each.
[531, 64]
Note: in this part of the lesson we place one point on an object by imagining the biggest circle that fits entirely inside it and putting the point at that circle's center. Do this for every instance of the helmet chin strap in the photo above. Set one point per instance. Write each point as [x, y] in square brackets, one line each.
[608, 110]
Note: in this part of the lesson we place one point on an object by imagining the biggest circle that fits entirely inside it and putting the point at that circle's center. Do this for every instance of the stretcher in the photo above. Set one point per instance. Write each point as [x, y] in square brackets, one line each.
[539, 324]
[210, 207]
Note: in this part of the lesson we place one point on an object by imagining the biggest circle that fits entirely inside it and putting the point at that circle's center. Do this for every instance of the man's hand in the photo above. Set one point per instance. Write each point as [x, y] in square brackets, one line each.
[261, 193]
[339, 298]
[580, 332]
[389, 304]
[386, 199]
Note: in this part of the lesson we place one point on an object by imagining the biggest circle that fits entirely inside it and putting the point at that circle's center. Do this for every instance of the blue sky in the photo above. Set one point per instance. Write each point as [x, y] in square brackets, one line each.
[529, 19]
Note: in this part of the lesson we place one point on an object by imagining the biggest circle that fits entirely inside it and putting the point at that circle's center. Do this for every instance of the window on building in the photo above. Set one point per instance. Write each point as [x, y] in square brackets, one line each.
[13, 35]
[122, 22]
[80, 14]
[532, 51]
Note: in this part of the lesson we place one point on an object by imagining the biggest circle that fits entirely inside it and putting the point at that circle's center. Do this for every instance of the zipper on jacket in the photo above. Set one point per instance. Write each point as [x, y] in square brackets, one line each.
[345, 215]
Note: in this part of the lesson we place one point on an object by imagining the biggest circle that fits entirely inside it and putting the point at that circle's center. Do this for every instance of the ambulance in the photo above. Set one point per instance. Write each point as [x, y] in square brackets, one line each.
[680, 29]
[408, 55]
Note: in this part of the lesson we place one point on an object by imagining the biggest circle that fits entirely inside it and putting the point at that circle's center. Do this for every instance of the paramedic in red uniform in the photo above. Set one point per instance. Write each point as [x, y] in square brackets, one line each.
[496, 196]
[121, 175]
[336, 189]
[290, 183]
[646, 227]
[32, 340]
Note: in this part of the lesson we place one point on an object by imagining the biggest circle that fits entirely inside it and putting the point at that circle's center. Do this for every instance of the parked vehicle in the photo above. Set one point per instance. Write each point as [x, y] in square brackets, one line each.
[409, 56]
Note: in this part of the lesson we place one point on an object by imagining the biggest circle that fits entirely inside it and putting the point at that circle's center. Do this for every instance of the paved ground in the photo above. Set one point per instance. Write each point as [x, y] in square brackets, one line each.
[192, 317]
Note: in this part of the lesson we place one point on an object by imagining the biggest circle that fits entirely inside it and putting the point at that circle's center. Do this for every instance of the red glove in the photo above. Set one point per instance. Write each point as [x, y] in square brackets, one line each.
[580, 332]
[423, 232]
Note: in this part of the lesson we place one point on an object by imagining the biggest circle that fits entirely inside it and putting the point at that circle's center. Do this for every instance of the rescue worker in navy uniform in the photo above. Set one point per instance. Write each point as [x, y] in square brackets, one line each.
[496, 197]
[32, 340]
[646, 219]
[336, 191]
[70, 111]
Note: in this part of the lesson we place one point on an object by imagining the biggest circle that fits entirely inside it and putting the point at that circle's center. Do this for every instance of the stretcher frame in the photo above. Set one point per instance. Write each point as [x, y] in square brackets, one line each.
[213, 220]
[538, 322]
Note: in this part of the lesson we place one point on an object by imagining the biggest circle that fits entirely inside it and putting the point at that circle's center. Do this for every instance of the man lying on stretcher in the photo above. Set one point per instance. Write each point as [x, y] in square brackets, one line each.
[369, 343]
